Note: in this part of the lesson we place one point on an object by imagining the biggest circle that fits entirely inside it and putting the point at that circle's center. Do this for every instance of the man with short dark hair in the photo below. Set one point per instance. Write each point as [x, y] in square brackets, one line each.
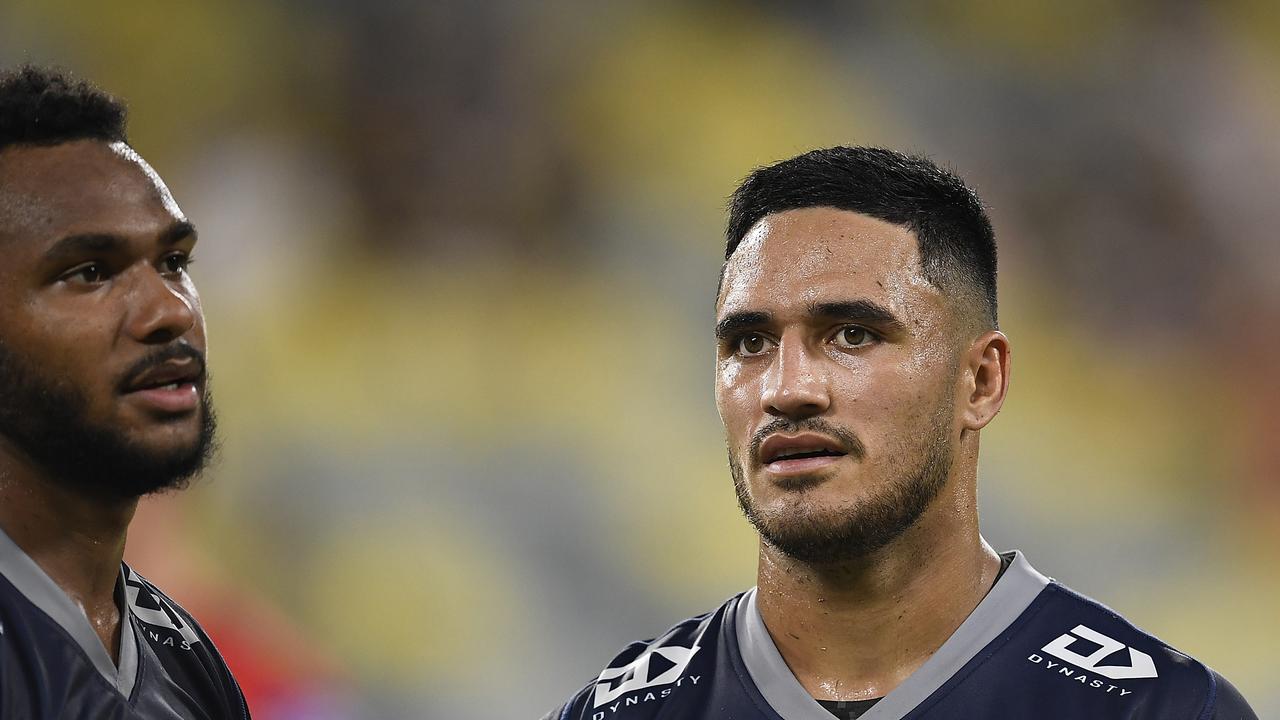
[858, 359]
[103, 398]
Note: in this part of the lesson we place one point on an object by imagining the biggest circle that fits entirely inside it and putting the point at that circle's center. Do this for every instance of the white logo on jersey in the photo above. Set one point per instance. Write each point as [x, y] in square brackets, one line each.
[1140, 664]
[155, 610]
[660, 665]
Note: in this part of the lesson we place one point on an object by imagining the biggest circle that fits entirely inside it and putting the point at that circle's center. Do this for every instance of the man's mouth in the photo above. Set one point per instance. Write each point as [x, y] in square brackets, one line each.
[170, 387]
[788, 455]
[801, 454]
[171, 399]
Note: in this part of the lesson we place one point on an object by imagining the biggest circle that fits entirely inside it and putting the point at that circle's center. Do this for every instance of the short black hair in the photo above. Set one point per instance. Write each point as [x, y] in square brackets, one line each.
[47, 106]
[956, 243]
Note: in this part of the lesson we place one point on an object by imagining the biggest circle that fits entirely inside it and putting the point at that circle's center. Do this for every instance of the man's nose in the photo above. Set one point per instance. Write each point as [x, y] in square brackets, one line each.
[796, 385]
[158, 310]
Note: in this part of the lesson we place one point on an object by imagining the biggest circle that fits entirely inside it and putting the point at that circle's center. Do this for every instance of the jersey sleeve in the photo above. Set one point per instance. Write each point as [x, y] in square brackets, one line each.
[1230, 704]
[184, 650]
[235, 707]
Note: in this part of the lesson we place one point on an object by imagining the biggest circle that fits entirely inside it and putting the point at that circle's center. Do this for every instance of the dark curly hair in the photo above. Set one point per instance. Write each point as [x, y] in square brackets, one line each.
[47, 106]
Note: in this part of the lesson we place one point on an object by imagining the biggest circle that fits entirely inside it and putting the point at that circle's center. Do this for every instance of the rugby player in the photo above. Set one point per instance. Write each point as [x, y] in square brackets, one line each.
[103, 399]
[858, 360]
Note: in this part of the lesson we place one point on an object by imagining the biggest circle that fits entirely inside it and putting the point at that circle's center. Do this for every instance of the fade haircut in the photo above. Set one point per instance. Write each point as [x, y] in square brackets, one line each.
[46, 106]
[956, 243]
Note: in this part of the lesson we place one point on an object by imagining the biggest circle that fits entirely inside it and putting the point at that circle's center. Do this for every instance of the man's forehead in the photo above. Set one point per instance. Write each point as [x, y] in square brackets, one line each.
[43, 188]
[801, 256]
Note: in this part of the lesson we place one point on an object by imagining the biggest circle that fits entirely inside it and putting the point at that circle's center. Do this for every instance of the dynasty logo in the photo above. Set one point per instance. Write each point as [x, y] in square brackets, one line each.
[1140, 664]
[164, 625]
[619, 687]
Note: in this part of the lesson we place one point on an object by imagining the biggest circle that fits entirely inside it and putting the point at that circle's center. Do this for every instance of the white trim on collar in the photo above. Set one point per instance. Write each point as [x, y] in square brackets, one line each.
[1008, 598]
[40, 590]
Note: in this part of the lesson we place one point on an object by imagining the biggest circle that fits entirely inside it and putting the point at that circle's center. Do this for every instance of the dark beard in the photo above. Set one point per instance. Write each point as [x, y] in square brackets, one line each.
[45, 418]
[870, 526]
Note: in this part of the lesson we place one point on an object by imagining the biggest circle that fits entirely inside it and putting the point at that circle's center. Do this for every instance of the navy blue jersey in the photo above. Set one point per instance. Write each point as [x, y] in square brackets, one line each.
[53, 665]
[1031, 649]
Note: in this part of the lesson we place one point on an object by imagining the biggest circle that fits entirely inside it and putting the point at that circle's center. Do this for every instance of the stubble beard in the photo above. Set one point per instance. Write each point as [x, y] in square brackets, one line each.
[45, 418]
[833, 536]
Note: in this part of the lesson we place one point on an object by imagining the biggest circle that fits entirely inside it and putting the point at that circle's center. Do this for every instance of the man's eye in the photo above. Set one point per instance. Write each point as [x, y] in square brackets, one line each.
[89, 273]
[177, 262]
[853, 336]
[753, 344]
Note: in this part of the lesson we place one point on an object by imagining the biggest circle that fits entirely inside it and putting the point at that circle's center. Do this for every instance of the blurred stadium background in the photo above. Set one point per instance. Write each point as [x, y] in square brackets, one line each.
[458, 263]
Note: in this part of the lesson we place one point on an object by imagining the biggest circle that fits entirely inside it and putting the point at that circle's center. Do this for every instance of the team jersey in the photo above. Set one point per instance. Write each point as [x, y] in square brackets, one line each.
[53, 665]
[1031, 649]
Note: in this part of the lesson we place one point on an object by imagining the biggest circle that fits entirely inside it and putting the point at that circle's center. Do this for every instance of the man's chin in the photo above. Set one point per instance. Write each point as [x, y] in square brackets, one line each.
[820, 541]
[154, 458]
[802, 520]
[161, 444]
[814, 495]
[145, 473]
[806, 483]
[823, 525]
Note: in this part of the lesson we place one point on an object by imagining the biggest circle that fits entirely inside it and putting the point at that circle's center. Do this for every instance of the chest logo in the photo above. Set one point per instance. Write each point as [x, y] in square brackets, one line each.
[1140, 664]
[166, 625]
[659, 666]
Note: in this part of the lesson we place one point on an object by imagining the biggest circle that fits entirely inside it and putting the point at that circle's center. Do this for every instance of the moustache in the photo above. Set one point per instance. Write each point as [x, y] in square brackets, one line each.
[176, 351]
[850, 443]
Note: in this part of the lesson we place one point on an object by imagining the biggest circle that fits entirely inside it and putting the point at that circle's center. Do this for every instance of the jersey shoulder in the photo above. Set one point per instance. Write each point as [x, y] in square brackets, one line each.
[173, 639]
[647, 674]
[1096, 663]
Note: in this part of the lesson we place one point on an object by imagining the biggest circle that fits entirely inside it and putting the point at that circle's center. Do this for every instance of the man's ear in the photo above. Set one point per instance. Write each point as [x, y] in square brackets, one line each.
[985, 378]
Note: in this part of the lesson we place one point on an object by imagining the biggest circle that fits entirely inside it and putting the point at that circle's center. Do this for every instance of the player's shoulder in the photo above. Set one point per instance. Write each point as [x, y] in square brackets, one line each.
[180, 645]
[1095, 632]
[1083, 641]
[649, 672]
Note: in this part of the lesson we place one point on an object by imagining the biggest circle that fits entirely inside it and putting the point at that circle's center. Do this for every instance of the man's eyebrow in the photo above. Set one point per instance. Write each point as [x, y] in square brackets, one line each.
[73, 246]
[736, 322]
[178, 232]
[861, 311]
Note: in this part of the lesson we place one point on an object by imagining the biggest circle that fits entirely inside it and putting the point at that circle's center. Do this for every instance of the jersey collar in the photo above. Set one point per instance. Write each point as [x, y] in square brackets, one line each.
[40, 590]
[1008, 598]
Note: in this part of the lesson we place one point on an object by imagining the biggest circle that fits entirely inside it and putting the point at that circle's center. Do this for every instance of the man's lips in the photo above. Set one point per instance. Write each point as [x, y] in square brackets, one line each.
[171, 372]
[174, 398]
[168, 387]
[793, 454]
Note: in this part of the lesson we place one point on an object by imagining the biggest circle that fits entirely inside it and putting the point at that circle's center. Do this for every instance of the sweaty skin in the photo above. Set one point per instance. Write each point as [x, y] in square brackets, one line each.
[855, 628]
[88, 325]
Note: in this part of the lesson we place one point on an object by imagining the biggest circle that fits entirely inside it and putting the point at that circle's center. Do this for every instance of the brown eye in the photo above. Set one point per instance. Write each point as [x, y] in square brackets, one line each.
[176, 263]
[853, 336]
[91, 272]
[753, 344]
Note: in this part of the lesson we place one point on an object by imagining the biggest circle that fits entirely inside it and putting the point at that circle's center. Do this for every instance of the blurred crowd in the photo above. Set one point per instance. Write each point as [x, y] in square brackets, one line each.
[458, 261]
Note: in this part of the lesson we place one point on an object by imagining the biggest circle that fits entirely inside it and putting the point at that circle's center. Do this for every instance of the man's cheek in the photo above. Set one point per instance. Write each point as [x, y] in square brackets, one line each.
[728, 377]
[734, 401]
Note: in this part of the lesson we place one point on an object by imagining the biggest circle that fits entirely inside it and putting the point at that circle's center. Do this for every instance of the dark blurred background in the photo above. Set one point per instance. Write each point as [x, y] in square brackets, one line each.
[458, 261]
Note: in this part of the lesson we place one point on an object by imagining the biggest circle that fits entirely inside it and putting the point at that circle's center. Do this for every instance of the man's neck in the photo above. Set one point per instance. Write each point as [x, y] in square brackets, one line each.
[856, 631]
[77, 541]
